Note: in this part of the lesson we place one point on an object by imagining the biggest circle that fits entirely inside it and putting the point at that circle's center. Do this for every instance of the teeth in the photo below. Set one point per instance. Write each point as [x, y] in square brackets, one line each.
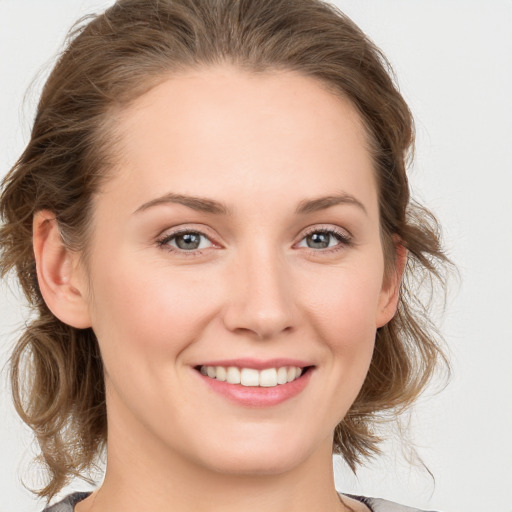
[233, 375]
[221, 373]
[282, 374]
[267, 378]
[249, 377]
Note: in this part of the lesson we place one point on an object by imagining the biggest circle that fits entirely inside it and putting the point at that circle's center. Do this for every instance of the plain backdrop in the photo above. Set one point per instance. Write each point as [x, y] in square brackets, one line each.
[453, 59]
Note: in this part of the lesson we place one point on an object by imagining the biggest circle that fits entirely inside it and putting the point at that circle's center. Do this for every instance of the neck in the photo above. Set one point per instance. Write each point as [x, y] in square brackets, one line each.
[143, 476]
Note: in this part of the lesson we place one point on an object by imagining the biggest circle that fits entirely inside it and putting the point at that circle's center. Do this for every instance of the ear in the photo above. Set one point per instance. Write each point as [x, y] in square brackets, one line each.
[60, 278]
[390, 292]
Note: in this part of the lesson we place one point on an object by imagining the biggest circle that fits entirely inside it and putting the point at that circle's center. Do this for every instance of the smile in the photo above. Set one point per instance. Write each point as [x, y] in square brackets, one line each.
[256, 383]
[251, 377]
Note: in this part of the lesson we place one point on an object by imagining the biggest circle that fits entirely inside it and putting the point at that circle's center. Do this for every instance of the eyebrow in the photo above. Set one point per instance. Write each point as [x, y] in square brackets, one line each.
[205, 205]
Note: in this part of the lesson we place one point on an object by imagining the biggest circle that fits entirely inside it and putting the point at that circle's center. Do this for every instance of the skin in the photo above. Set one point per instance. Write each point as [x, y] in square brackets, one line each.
[256, 288]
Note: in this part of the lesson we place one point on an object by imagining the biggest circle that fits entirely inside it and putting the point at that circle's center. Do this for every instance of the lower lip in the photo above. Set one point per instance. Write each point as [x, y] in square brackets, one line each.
[256, 396]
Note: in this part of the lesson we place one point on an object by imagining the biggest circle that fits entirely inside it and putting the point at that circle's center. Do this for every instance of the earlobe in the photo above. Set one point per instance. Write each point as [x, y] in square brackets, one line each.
[58, 275]
[390, 292]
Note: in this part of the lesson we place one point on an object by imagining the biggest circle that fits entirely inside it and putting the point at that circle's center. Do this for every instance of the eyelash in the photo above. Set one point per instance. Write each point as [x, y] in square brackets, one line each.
[344, 239]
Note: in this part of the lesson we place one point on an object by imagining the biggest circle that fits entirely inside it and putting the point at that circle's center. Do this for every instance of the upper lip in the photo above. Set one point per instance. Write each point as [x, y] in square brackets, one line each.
[257, 364]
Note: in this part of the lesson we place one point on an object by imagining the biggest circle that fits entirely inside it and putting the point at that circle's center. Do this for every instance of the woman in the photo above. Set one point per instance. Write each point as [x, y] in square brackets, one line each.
[212, 218]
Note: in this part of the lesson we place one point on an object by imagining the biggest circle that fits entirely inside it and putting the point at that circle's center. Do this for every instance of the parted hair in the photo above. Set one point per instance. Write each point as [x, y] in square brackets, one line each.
[108, 61]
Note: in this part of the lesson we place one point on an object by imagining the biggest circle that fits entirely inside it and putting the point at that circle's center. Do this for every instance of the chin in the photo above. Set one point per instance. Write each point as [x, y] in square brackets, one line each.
[257, 464]
[258, 456]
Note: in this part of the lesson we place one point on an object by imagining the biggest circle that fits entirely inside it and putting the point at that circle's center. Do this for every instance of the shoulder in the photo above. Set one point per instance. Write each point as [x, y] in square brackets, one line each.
[380, 505]
[375, 504]
[68, 503]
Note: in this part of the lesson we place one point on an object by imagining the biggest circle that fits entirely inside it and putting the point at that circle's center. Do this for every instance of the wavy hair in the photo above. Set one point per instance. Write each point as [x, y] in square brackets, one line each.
[110, 60]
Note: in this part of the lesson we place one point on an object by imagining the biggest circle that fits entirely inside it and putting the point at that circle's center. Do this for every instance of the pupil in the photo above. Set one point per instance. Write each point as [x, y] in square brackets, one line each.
[319, 240]
[188, 241]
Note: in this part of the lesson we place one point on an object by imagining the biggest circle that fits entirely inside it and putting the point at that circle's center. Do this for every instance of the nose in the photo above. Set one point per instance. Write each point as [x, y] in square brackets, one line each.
[260, 295]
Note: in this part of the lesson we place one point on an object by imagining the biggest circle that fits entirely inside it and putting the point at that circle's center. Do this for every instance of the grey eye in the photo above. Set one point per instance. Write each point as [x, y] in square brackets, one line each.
[319, 240]
[188, 241]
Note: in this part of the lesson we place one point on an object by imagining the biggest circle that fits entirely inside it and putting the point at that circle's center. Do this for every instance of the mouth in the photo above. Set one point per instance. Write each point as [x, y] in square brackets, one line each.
[252, 377]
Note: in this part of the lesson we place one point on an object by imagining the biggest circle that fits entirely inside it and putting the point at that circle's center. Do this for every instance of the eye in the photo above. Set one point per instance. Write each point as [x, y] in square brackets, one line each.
[185, 241]
[190, 242]
[323, 238]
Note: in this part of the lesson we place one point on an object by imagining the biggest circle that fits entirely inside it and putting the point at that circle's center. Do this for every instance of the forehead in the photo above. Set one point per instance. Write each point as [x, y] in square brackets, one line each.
[241, 136]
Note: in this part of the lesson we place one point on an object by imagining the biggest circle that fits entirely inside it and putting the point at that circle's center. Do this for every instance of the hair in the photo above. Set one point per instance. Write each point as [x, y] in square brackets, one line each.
[110, 60]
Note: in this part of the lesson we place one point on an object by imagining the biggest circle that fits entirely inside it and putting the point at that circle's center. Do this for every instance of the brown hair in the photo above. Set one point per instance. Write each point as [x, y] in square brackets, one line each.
[111, 59]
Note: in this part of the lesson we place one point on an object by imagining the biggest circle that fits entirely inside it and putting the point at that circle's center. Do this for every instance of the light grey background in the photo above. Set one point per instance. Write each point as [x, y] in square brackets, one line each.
[454, 63]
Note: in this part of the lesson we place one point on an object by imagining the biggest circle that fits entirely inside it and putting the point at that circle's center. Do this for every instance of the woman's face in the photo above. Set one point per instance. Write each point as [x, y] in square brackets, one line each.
[239, 232]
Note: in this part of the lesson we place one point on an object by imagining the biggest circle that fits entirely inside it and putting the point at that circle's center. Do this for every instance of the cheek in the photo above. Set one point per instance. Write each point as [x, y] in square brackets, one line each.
[346, 307]
[346, 323]
[343, 317]
[148, 311]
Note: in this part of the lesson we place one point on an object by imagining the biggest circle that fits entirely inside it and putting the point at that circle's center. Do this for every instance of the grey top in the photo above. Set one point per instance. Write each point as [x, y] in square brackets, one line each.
[374, 504]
